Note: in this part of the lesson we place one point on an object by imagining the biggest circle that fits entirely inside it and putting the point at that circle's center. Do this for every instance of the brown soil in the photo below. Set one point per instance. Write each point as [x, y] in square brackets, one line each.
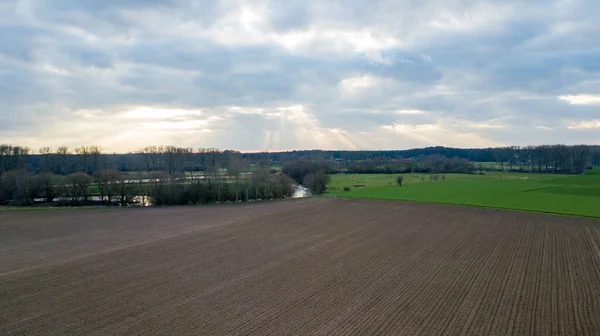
[305, 267]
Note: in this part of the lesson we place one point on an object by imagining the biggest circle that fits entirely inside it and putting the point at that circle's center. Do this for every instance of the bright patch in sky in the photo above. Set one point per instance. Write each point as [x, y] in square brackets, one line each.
[410, 112]
[143, 113]
[583, 99]
[585, 124]
[355, 84]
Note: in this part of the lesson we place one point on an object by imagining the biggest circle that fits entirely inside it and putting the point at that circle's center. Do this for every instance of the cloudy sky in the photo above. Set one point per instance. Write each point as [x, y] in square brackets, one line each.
[278, 75]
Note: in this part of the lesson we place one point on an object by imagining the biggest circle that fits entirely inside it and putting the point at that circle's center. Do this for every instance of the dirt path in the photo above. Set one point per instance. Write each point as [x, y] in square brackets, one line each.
[302, 267]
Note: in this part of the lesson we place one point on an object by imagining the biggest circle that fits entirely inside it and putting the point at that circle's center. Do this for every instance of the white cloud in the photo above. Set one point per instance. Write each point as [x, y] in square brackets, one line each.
[486, 124]
[590, 124]
[410, 112]
[295, 39]
[247, 110]
[582, 99]
[411, 127]
[355, 84]
[145, 113]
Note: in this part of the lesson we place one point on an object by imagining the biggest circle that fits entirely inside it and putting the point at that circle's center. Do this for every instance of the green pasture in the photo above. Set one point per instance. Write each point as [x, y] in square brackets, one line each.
[577, 195]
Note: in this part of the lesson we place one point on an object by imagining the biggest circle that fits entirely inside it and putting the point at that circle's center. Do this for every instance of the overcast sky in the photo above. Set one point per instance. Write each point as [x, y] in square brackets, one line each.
[297, 74]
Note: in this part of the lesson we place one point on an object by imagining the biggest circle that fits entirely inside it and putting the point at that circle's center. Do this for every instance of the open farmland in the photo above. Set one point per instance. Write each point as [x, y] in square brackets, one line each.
[305, 267]
[577, 195]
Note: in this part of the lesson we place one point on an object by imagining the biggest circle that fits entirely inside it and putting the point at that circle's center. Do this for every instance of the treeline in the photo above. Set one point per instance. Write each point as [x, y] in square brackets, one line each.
[470, 154]
[75, 177]
[261, 185]
[421, 164]
[111, 187]
[20, 187]
[89, 159]
[176, 160]
[167, 175]
[557, 159]
[475, 154]
[546, 158]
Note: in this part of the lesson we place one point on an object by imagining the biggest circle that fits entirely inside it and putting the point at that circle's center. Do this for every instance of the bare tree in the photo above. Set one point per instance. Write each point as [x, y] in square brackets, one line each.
[82, 158]
[45, 153]
[202, 154]
[282, 185]
[62, 154]
[79, 186]
[20, 186]
[95, 153]
[89, 158]
[106, 180]
[50, 184]
[175, 158]
[580, 158]
[234, 164]
[13, 157]
[151, 157]
[124, 189]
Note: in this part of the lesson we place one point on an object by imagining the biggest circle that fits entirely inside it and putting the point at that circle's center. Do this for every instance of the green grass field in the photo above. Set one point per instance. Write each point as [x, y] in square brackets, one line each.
[560, 194]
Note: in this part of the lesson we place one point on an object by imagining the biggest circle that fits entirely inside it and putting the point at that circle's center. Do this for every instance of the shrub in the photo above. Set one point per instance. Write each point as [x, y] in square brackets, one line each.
[399, 180]
[347, 189]
[167, 193]
[282, 186]
[317, 183]
[261, 175]
[20, 187]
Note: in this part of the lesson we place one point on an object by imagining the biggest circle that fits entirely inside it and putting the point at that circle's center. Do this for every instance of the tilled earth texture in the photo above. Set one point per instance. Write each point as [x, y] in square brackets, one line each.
[304, 267]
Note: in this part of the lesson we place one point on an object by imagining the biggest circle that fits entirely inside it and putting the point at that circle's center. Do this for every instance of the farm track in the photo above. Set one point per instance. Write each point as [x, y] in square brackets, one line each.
[303, 267]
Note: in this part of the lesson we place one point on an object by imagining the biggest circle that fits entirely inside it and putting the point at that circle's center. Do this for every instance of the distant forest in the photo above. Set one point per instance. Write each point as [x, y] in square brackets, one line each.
[175, 160]
[550, 154]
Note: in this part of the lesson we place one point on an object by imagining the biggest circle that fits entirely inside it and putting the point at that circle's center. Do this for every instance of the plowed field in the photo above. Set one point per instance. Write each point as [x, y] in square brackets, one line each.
[305, 267]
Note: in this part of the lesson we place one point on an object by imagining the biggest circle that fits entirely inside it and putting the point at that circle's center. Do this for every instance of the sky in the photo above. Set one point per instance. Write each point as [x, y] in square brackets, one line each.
[297, 74]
